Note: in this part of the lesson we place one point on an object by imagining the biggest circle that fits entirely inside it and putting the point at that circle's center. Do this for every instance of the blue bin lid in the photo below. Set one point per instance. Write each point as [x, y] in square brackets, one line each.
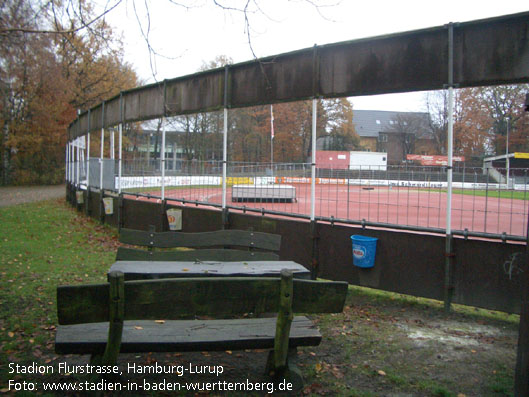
[363, 238]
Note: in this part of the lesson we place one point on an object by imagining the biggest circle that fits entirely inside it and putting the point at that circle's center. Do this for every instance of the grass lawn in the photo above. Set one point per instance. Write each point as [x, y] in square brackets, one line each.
[43, 245]
[382, 344]
[506, 194]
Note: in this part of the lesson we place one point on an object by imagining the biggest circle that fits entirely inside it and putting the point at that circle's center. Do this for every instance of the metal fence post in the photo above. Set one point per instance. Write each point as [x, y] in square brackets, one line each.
[162, 158]
[88, 157]
[120, 148]
[225, 138]
[449, 238]
[77, 162]
[313, 161]
[102, 148]
[120, 140]
[67, 161]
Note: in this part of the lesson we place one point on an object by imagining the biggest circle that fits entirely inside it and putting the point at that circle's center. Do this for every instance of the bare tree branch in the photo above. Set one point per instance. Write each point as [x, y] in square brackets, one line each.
[6, 31]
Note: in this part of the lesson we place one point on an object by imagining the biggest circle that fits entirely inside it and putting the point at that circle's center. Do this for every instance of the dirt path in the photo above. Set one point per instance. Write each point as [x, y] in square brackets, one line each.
[13, 195]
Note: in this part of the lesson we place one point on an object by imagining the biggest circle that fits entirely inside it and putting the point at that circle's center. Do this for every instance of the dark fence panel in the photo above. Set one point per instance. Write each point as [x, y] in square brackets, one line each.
[405, 262]
[140, 214]
[278, 79]
[199, 220]
[384, 64]
[296, 241]
[112, 219]
[144, 104]
[113, 112]
[486, 273]
[486, 52]
[95, 205]
[203, 91]
[96, 117]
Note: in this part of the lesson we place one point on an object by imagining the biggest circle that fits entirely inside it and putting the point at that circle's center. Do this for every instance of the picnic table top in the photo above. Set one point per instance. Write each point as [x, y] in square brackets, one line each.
[140, 270]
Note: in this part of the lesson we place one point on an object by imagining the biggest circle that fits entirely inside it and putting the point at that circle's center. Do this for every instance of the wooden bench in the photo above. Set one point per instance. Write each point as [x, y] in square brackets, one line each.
[106, 319]
[220, 245]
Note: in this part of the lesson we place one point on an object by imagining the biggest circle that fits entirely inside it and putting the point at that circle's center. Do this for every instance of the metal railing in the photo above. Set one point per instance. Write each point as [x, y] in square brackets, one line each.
[414, 198]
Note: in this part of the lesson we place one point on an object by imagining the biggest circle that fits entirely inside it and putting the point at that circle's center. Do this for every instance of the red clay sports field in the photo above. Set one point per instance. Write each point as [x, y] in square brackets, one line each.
[388, 205]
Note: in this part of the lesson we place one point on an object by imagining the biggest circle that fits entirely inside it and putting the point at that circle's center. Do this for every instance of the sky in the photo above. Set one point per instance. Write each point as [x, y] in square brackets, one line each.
[191, 37]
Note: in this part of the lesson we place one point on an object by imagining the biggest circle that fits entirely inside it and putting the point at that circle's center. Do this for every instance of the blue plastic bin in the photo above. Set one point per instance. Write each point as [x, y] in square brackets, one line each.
[364, 250]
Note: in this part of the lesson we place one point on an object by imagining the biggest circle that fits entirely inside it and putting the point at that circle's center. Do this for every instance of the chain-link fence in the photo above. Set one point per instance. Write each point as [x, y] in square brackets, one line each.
[484, 202]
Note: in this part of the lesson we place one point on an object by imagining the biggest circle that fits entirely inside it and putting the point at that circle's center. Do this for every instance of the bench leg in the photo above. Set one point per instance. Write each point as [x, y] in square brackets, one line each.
[96, 358]
[290, 372]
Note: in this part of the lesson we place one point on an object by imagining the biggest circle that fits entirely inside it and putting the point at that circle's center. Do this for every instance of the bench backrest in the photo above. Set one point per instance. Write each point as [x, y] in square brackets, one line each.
[258, 245]
[216, 297]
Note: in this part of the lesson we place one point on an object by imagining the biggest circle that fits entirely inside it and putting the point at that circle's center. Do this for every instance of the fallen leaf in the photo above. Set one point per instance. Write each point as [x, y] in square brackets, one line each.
[336, 372]
[137, 327]
[11, 334]
[185, 269]
[318, 367]
[381, 373]
[229, 352]
[159, 321]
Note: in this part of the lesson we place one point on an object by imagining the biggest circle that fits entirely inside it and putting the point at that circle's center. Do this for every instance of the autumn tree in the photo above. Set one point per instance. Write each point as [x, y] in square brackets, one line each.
[504, 106]
[481, 118]
[338, 115]
[33, 92]
[45, 78]
[472, 125]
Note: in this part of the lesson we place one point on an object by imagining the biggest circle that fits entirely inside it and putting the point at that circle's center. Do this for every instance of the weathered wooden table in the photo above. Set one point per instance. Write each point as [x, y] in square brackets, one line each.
[142, 270]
